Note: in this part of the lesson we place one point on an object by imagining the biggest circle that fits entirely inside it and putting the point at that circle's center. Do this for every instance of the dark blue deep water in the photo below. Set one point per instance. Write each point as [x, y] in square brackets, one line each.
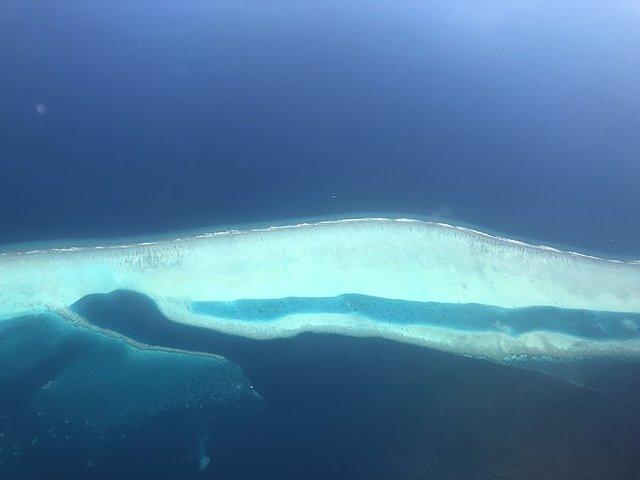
[121, 117]
[140, 117]
[330, 407]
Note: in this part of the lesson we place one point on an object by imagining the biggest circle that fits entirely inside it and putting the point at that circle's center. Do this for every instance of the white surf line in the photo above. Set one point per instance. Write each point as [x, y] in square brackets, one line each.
[312, 224]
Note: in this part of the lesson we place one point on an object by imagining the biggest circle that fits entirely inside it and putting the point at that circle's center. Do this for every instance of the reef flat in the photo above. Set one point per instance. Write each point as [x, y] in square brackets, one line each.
[398, 259]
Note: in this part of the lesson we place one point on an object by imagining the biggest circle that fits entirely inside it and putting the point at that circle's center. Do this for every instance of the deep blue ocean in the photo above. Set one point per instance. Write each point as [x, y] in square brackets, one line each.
[122, 118]
[126, 118]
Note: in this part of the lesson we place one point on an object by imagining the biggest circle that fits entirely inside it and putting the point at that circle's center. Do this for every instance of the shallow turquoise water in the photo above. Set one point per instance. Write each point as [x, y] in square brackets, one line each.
[469, 317]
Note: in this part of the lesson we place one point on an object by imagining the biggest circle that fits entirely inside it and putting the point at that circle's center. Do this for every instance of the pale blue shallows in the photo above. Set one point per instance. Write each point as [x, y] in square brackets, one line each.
[471, 317]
